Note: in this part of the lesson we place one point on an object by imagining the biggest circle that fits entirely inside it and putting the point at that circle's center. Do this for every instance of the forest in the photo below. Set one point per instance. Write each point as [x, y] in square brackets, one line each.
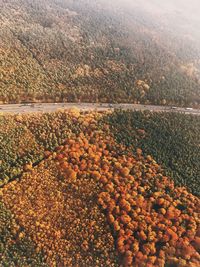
[95, 51]
[26, 139]
[171, 138]
[114, 188]
[94, 194]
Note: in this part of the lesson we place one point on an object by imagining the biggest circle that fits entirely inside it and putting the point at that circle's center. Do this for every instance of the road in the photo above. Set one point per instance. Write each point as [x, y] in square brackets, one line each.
[50, 107]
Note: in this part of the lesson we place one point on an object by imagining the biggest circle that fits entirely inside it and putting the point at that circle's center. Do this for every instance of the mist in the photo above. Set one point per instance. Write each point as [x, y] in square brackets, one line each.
[81, 44]
[184, 13]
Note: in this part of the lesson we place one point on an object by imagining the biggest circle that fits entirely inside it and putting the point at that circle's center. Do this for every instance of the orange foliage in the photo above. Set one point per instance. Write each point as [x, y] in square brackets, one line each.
[150, 227]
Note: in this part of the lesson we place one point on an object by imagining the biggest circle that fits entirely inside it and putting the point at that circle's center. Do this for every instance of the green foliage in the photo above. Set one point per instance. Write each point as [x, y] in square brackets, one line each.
[17, 147]
[24, 139]
[172, 139]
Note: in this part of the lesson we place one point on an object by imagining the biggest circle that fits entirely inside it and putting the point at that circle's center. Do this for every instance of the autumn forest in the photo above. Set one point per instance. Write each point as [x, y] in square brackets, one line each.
[97, 51]
[107, 187]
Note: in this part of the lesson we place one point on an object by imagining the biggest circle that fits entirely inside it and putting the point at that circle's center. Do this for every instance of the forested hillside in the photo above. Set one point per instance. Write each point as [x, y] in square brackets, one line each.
[25, 140]
[172, 139]
[94, 201]
[106, 51]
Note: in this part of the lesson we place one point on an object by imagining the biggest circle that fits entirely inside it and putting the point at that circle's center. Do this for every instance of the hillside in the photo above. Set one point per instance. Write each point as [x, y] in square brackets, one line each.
[26, 139]
[91, 51]
[95, 202]
[172, 140]
[101, 185]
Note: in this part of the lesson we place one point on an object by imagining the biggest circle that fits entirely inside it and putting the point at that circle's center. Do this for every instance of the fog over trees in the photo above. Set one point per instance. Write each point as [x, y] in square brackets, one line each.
[105, 51]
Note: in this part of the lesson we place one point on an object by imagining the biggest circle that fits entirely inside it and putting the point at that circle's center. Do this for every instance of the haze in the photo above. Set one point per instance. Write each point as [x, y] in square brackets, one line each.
[185, 14]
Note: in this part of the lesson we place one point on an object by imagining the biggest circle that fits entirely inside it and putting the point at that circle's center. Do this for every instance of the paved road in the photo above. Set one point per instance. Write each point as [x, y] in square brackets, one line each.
[50, 107]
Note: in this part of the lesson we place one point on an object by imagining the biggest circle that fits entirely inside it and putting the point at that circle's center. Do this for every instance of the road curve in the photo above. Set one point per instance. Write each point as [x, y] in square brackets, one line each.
[51, 107]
